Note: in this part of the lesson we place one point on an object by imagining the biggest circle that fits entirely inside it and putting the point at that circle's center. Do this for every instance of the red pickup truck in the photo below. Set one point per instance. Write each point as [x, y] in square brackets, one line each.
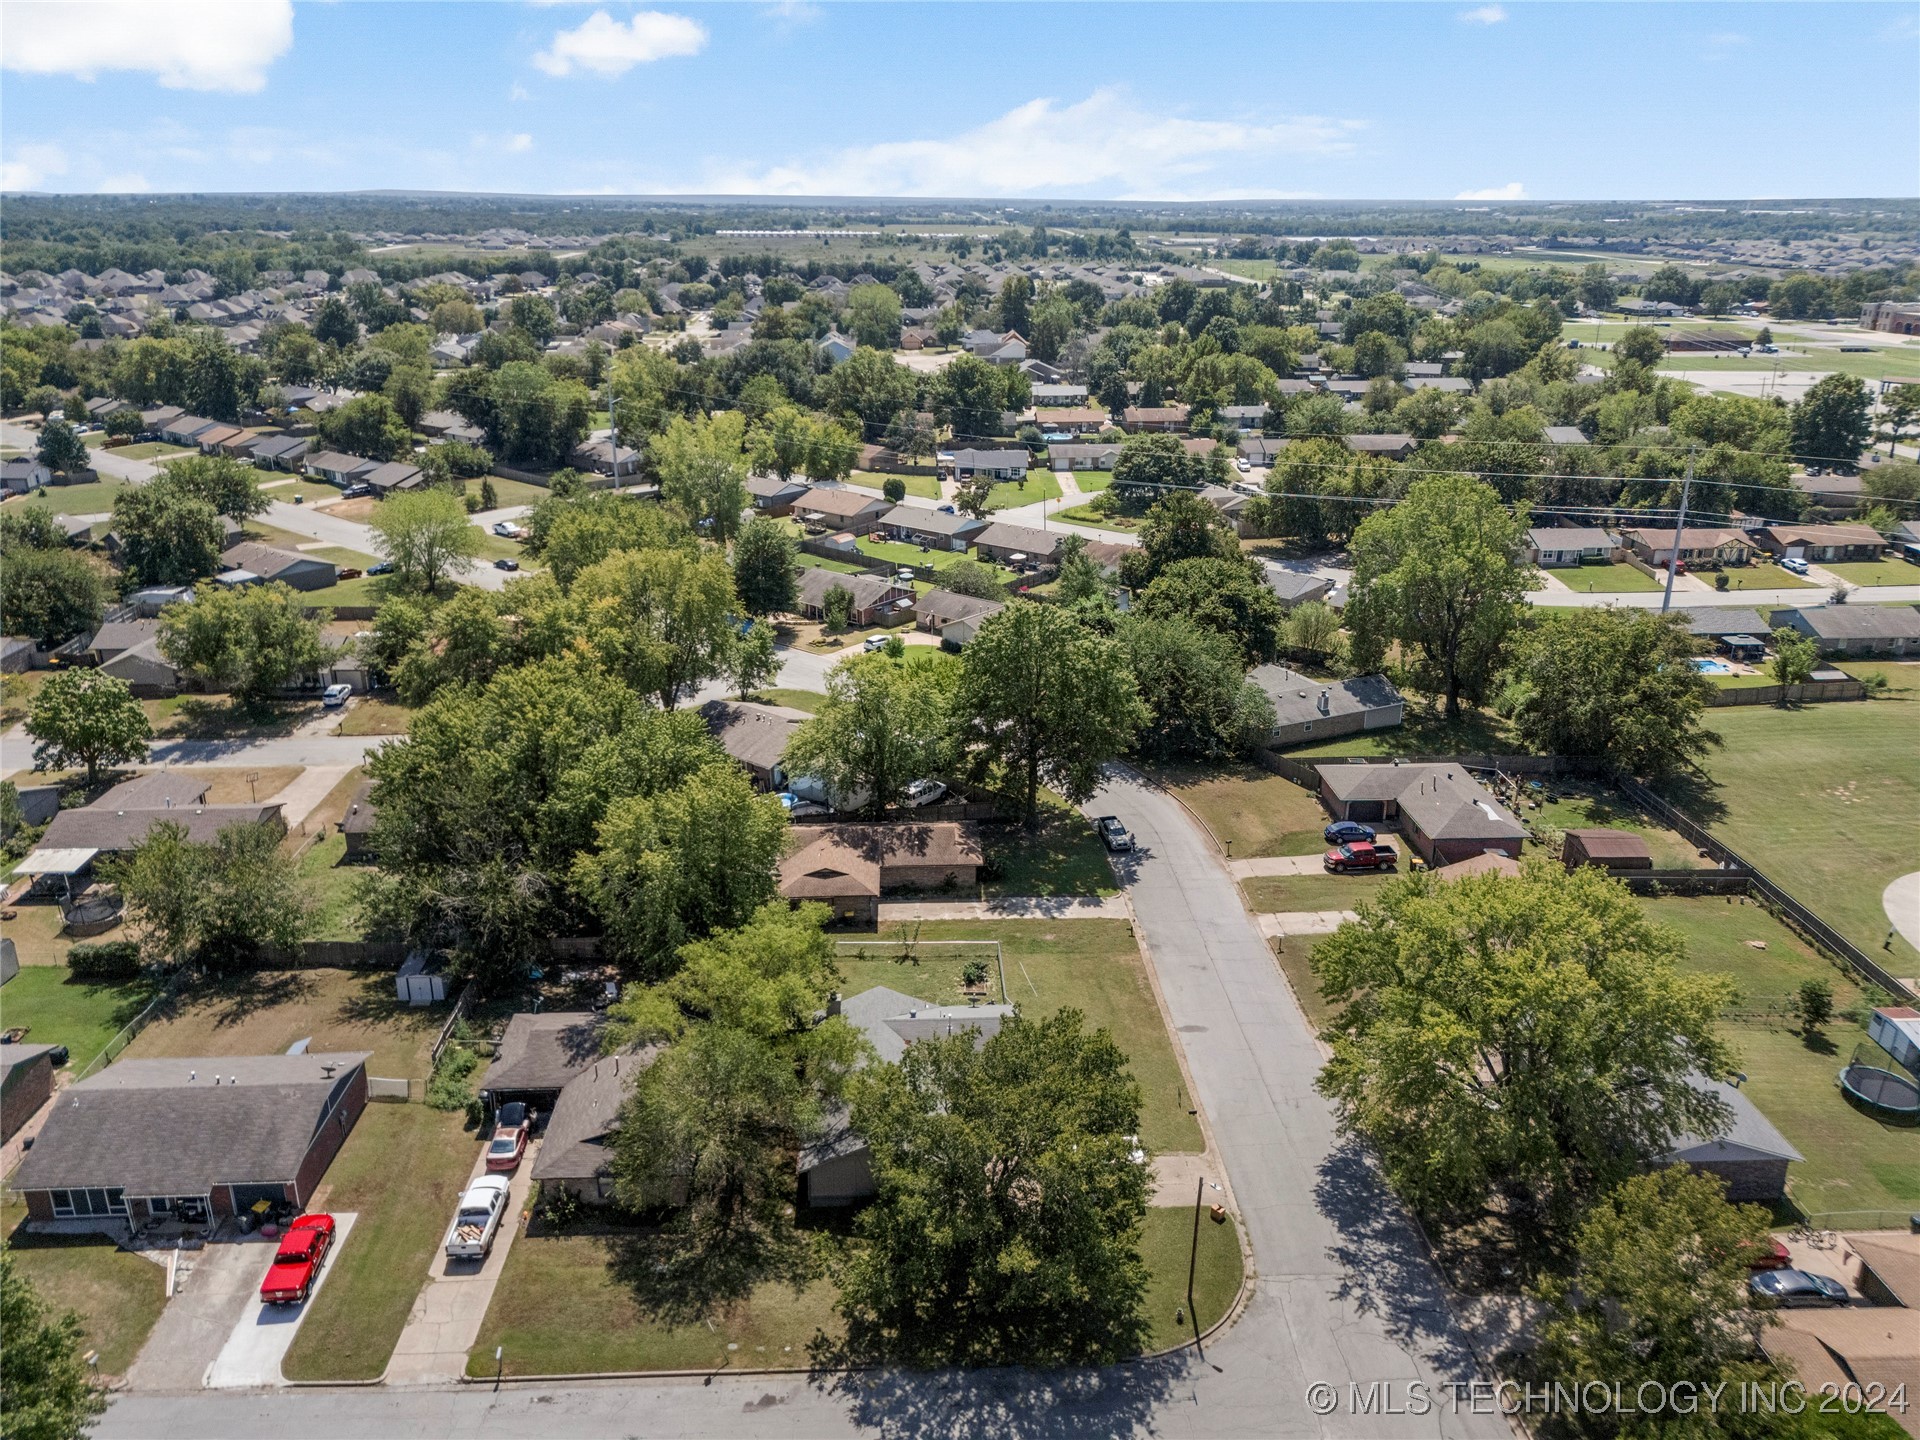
[296, 1265]
[1361, 855]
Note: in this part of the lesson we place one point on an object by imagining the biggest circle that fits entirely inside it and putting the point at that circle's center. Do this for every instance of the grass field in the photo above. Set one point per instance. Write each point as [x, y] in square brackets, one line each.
[264, 1013]
[927, 487]
[1087, 515]
[560, 1309]
[1882, 363]
[1294, 953]
[93, 498]
[331, 885]
[399, 1171]
[154, 450]
[1826, 800]
[1062, 857]
[1092, 965]
[1603, 579]
[1092, 482]
[1249, 810]
[116, 1294]
[1767, 577]
[56, 1009]
[1281, 894]
[301, 492]
[368, 716]
[898, 553]
[511, 492]
[1039, 485]
[1875, 572]
[807, 700]
[36, 932]
[1426, 732]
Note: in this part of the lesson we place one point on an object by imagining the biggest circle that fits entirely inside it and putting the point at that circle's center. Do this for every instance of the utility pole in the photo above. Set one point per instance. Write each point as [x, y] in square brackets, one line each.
[1679, 525]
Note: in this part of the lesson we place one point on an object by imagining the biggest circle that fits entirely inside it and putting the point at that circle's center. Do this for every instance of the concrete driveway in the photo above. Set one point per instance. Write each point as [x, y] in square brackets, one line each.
[216, 1283]
[251, 1357]
[447, 1315]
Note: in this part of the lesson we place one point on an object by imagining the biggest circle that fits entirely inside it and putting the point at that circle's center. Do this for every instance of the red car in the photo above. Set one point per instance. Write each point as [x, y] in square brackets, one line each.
[297, 1263]
[1773, 1255]
[511, 1127]
[1361, 856]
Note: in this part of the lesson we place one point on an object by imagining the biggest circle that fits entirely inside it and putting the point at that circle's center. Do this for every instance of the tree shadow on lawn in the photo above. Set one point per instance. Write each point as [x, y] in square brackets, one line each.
[679, 1276]
[237, 999]
[1695, 795]
[215, 718]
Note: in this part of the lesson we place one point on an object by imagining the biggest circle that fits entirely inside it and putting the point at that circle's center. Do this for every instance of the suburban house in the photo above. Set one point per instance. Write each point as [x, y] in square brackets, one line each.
[357, 824]
[1553, 546]
[185, 429]
[836, 1169]
[538, 1054]
[286, 567]
[1059, 395]
[222, 440]
[152, 421]
[1080, 420]
[1295, 587]
[601, 458]
[1700, 547]
[576, 1149]
[847, 866]
[770, 495]
[1007, 349]
[1142, 418]
[191, 1139]
[1305, 709]
[954, 617]
[1822, 542]
[392, 476]
[1857, 629]
[129, 650]
[840, 509]
[20, 474]
[935, 529]
[1610, 850]
[1259, 451]
[1008, 543]
[278, 451]
[874, 596]
[26, 1083]
[995, 464]
[1443, 813]
[337, 469]
[1391, 447]
[1566, 435]
[1087, 455]
[1725, 625]
[74, 839]
[1244, 418]
[836, 347]
[755, 735]
[1749, 1154]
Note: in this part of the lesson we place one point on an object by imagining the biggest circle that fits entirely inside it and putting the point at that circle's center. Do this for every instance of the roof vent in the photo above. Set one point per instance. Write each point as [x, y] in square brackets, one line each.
[192, 1075]
[326, 1070]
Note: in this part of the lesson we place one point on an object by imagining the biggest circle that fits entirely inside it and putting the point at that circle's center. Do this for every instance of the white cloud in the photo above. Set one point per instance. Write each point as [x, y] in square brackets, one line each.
[127, 183]
[30, 166]
[1484, 15]
[185, 44]
[604, 46]
[518, 92]
[519, 144]
[1044, 146]
[1512, 190]
[790, 13]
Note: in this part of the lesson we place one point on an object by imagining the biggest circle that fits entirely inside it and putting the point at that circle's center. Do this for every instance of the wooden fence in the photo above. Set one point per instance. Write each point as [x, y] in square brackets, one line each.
[857, 559]
[1812, 692]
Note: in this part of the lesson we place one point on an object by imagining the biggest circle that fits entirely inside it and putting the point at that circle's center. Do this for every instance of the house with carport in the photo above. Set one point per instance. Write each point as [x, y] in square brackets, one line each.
[1442, 812]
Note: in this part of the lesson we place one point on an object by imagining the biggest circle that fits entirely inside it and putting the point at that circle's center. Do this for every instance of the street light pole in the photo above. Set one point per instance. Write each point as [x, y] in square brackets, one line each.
[1679, 527]
[1193, 1260]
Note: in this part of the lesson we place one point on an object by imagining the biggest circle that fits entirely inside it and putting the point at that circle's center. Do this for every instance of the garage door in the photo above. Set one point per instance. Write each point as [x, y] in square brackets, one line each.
[245, 1197]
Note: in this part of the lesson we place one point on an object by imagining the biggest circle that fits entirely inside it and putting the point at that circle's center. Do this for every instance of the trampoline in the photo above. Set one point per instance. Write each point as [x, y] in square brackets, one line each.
[1874, 1080]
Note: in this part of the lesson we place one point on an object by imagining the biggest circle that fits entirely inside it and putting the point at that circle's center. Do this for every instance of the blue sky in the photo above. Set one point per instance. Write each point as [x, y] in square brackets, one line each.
[1102, 101]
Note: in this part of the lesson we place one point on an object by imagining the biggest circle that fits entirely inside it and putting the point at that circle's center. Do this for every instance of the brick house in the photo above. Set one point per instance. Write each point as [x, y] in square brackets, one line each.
[847, 866]
[1443, 813]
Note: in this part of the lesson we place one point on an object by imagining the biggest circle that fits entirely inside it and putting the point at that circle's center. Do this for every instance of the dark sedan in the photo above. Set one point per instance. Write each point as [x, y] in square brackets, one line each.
[1346, 832]
[1797, 1287]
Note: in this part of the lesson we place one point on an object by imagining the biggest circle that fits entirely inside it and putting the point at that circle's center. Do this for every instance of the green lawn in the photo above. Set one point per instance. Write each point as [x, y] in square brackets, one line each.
[1612, 579]
[1062, 857]
[1853, 1162]
[1087, 515]
[1257, 811]
[1295, 956]
[1426, 732]
[1742, 682]
[1039, 485]
[927, 487]
[302, 492]
[1766, 576]
[1281, 894]
[59, 1010]
[371, 590]
[1875, 572]
[117, 1295]
[1882, 363]
[331, 885]
[400, 1171]
[898, 553]
[807, 700]
[1166, 1244]
[154, 450]
[820, 562]
[1092, 965]
[93, 498]
[1584, 805]
[510, 492]
[368, 716]
[1092, 482]
[1826, 800]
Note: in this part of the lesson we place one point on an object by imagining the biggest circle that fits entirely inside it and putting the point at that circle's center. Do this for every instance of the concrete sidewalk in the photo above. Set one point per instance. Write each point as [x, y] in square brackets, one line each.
[1011, 907]
[1303, 922]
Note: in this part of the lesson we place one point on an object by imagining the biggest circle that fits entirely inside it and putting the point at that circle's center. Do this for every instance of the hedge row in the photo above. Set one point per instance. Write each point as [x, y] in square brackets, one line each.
[115, 960]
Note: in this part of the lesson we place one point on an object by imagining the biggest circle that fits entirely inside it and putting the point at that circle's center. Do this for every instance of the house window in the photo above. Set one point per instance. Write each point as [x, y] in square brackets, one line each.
[71, 1203]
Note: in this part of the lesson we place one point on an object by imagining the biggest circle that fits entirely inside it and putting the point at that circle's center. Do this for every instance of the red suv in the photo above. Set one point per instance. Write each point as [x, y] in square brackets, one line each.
[297, 1263]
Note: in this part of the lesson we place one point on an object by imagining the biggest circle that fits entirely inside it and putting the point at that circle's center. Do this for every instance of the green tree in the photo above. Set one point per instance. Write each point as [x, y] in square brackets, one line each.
[1199, 704]
[456, 317]
[1313, 630]
[1228, 597]
[672, 867]
[1814, 1002]
[1642, 345]
[367, 425]
[1902, 406]
[1795, 657]
[884, 724]
[1043, 699]
[533, 316]
[659, 619]
[49, 595]
[765, 558]
[1151, 468]
[873, 316]
[1440, 574]
[229, 486]
[1016, 295]
[1007, 1225]
[1178, 526]
[837, 607]
[218, 906]
[970, 395]
[253, 640]
[334, 323]
[1617, 685]
[426, 536]
[61, 449]
[573, 533]
[972, 577]
[1317, 416]
[82, 717]
[1657, 1295]
[1832, 423]
[752, 660]
[535, 417]
[702, 466]
[1500, 1012]
[45, 1391]
[894, 489]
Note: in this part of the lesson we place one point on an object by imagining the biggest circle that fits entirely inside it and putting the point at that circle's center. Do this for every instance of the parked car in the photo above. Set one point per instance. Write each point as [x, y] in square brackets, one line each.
[924, 792]
[296, 1264]
[385, 567]
[334, 696]
[1771, 1254]
[356, 492]
[512, 1128]
[875, 642]
[503, 528]
[1795, 1288]
[1243, 466]
[477, 1221]
[1115, 836]
[506, 562]
[1361, 855]
[946, 510]
[1346, 832]
[1793, 565]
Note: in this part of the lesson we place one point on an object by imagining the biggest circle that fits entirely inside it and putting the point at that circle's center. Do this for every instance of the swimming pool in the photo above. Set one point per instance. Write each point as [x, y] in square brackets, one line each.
[1713, 667]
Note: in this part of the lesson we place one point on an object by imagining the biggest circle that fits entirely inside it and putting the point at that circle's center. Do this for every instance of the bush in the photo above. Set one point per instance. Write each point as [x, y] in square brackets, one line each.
[894, 488]
[114, 960]
[451, 1086]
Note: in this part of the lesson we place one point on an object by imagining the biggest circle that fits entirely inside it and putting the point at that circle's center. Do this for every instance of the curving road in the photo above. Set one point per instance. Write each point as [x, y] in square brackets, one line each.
[1343, 1294]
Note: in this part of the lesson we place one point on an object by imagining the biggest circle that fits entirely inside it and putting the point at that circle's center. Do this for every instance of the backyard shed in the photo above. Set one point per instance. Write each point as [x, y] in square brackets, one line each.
[1609, 849]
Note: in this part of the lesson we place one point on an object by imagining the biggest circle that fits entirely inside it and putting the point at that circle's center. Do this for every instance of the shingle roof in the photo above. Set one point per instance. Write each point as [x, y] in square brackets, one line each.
[938, 607]
[1444, 801]
[815, 584]
[360, 812]
[1019, 537]
[924, 520]
[154, 791]
[163, 1127]
[544, 1051]
[267, 561]
[838, 504]
[1722, 620]
[95, 828]
[1859, 622]
[1746, 1129]
[853, 859]
[577, 1144]
[755, 735]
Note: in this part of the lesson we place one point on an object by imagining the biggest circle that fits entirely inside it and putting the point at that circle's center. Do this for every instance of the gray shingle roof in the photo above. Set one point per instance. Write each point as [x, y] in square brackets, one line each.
[579, 1135]
[95, 828]
[545, 1051]
[755, 735]
[1747, 1129]
[1443, 800]
[1859, 622]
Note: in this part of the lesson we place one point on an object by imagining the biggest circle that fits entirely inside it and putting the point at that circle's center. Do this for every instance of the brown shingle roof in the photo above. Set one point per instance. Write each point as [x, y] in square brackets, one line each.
[545, 1051]
[855, 859]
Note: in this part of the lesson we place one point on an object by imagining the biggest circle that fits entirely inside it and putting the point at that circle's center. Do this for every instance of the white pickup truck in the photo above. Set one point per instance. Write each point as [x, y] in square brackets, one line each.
[478, 1221]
